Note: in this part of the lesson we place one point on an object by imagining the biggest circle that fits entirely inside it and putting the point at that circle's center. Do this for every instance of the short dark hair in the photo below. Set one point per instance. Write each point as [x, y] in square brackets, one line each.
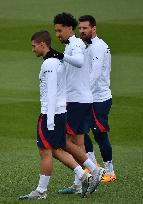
[42, 36]
[89, 18]
[66, 19]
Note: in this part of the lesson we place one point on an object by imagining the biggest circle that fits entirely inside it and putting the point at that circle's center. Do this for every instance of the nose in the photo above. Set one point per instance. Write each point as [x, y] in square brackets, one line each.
[81, 30]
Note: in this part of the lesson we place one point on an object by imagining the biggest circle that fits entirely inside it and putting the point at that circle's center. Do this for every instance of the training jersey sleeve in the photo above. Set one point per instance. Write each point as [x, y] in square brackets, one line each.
[97, 57]
[51, 89]
[76, 60]
[74, 52]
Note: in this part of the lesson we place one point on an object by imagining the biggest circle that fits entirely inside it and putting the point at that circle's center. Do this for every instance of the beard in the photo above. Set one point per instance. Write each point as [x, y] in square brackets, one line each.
[38, 54]
[85, 37]
[61, 40]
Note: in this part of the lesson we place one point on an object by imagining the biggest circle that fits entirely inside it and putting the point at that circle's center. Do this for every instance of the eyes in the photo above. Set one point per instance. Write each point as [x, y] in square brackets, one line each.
[59, 31]
[83, 28]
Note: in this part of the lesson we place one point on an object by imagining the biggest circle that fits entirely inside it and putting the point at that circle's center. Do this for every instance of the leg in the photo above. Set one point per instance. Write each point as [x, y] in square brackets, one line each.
[88, 143]
[81, 157]
[89, 148]
[45, 151]
[100, 130]
[45, 173]
[87, 185]
[104, 145]
[84, 179]
[76, 151]
[79, 140]
[46, 165]
[79, 112]
[66, 158]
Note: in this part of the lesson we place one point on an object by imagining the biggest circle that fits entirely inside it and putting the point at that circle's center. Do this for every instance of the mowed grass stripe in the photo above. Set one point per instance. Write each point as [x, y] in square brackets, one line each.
[125, 120]
[118, 36]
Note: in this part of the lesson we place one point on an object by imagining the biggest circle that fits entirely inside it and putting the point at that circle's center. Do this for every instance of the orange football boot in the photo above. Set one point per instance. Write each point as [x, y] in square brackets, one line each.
[108, 178]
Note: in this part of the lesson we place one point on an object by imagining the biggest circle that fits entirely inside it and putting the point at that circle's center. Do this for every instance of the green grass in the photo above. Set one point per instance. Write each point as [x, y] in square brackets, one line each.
[120, 24]
[22, 175]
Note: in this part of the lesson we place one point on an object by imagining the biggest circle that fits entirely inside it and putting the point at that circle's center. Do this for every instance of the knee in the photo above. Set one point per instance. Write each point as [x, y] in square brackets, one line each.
[45, 153]
[102, 138]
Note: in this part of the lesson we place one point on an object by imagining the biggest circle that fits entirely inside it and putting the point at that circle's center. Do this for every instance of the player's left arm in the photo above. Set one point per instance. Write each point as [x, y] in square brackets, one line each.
[51, 80]
[97, 57]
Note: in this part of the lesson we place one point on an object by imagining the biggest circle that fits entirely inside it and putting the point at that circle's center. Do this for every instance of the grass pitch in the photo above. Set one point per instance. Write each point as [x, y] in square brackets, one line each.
[120, 24]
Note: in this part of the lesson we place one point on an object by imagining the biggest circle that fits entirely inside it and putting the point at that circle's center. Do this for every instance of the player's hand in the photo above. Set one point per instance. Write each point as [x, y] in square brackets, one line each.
[59, 56]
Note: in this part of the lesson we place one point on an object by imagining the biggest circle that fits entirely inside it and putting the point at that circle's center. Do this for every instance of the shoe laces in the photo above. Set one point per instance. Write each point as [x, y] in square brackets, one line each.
[37, 193]
[76, 187]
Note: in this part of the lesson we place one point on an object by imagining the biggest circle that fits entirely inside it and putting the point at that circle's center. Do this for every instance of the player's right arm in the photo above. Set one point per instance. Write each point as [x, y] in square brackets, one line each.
[76, 60]
[76, 56]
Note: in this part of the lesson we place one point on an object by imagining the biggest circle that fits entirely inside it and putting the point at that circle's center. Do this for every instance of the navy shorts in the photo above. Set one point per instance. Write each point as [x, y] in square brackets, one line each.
[100, 112]
[77, 114]
[51, 139]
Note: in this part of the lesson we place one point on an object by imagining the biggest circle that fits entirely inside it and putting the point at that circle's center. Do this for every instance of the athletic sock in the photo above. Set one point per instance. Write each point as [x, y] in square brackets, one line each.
[77, 181]
[90, 165]
[79, 172]
[109, 168]
[43, 183]
[91, 156]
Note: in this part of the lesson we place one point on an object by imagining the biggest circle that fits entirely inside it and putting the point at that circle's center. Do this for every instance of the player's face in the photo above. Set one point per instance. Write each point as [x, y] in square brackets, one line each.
[62, 32]
[37, 48]
[86, 31]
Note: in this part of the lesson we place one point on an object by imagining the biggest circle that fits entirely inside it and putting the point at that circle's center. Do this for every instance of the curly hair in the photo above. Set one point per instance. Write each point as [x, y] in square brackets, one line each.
[66, 19]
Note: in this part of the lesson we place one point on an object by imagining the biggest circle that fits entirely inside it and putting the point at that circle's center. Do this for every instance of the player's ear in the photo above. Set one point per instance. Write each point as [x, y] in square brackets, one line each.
[94, 28]
[70, 28]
